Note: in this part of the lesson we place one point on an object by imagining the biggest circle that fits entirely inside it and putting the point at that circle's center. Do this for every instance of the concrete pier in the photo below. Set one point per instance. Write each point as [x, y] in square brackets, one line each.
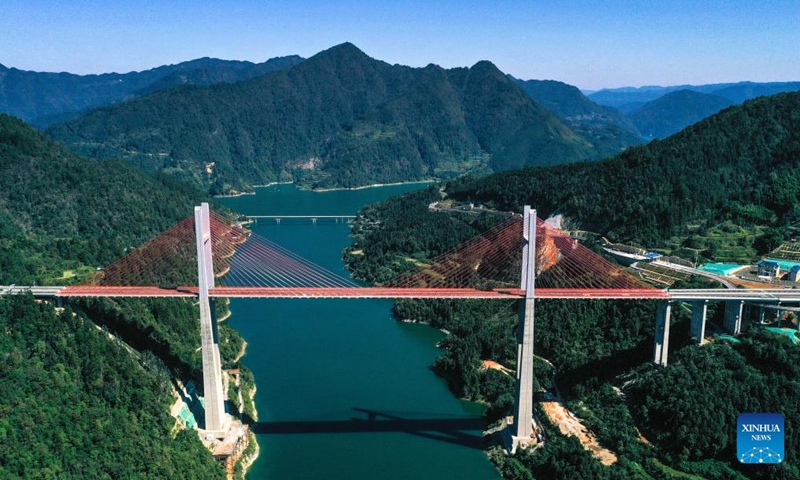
[661, 348]
[733, 316]
[697, 329]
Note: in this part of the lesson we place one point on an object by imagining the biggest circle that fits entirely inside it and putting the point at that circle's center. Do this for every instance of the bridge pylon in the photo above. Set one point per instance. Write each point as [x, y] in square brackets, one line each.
[215, 418]
[523, 429]
[661, 345]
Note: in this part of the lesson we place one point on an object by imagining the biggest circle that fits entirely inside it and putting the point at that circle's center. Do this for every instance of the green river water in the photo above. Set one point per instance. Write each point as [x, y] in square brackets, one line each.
[344, 390]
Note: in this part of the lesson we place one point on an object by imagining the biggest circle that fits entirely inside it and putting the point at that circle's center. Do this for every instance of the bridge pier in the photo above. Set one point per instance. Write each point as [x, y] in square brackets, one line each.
[733, 316]
[661, 347]
[697, 328]
[523, 429]
[215, 418]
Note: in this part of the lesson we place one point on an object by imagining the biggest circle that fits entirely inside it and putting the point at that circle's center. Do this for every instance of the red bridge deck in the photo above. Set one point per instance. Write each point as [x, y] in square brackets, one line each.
[358, 292]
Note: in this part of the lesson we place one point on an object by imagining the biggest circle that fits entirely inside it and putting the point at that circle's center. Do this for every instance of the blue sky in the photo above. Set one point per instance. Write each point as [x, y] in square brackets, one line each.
[591, 44]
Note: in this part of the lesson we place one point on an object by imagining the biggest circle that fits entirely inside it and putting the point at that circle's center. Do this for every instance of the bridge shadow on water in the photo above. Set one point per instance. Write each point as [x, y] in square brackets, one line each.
[464, 431]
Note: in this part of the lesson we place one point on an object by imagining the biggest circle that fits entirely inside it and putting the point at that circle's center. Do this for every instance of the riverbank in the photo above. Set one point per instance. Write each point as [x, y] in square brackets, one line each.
[242, 351]
[249, 457]
[374, 185]
[239, 194]
[322, 190]
[422, 322]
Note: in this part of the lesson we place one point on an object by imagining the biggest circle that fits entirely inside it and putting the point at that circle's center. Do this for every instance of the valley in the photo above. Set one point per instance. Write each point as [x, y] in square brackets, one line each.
[373, 169]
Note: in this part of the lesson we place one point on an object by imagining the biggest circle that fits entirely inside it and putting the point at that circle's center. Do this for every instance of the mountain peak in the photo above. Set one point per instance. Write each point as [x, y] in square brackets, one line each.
[343, 49]
[485, 65]
[362, 121]
[341, 58]
[486, 69]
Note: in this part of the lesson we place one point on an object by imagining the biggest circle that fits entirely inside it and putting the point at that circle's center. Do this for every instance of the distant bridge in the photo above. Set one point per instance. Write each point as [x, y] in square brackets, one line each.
[313, 218]
[300, 216]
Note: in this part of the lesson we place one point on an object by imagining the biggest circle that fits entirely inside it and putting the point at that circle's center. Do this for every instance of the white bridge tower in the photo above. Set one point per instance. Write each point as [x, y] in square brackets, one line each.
[215, 418]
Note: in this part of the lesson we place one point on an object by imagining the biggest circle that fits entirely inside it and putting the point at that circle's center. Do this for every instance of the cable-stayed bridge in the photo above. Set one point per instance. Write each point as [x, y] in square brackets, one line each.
[207, 256]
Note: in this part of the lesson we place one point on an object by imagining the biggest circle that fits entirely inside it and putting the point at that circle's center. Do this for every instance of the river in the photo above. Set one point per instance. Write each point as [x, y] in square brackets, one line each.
[344, 390]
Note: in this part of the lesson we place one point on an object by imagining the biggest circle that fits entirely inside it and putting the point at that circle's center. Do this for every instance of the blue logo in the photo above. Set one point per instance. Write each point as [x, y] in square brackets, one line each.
[759, 438]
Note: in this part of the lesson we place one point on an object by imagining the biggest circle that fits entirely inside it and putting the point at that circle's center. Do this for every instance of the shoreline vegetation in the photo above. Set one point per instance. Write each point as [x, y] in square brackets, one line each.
[426, 323]
[247, 398]
[241, 353]
[245, 461]
[323, 190]
[224, 317]
[249, 458]
[239, 194]
[374, 185]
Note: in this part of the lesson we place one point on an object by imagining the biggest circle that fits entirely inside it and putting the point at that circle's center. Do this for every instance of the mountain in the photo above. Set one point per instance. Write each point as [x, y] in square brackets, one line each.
[675, 111]
[60, 211]
[602, 124]
[210, 71]
[738, 168]
[339, 118]
[78, 404]
[742, 91]
[45, 98]
[628, 99]
[77, 401]
[740, 164]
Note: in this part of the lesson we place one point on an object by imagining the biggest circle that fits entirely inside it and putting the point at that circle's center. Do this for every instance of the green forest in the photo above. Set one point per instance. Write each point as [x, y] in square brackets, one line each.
[675, 111]
[739, 166]
[603, 124]
[61, 212]
[409, 232]
[340, 119]
[75, 402]
[76, 405]
[85, 389]
[675, 422]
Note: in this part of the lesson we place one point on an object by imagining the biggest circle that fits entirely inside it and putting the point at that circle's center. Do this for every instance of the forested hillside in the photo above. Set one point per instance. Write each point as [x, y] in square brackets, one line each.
[628, 99]
[44, 98]
[758, 375]
[74, 403]
[586, 349]
[674, 422]
[77, 405]
[64, 216]
[601, 123]
[210, 71]
[339, 118]
[740, 165]
[59, 211]
[675, 111]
